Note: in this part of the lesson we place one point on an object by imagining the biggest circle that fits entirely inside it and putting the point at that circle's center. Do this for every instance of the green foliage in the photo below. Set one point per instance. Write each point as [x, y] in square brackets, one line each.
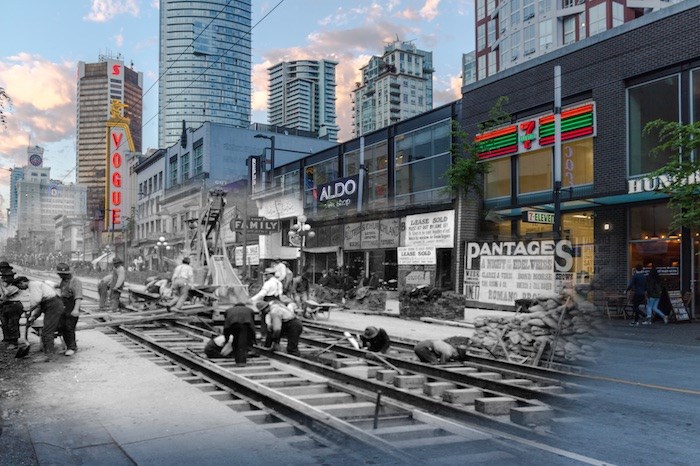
[683, 172]
[466, 172]
[4, 101]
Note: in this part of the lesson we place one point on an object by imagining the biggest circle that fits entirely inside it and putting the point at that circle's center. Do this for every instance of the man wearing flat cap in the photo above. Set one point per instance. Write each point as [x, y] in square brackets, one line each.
[117, 283]
[43, 300]
[10, 307]
[71, 292]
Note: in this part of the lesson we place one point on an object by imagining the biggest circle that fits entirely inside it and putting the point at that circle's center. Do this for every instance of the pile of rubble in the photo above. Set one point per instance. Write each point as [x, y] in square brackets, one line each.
[559, 328]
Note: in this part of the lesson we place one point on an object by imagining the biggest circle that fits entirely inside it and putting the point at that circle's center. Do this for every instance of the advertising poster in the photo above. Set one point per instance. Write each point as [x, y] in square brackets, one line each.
[416, 255]
[389, 233]
[369, 238]
[352, 237]
[499, 273]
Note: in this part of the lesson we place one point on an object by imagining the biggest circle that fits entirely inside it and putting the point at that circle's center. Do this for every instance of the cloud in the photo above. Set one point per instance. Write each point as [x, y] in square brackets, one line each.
[119, 38]
[104, 10]
[428, 12]
[43, 104]
[447, 90]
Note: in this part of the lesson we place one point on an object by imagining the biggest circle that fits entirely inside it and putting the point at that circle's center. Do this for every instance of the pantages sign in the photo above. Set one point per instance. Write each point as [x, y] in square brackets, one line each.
[501, 272]
[341, 193]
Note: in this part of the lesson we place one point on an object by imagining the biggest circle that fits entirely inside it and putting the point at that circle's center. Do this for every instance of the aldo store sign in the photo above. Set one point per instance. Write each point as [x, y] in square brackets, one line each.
[341, 193]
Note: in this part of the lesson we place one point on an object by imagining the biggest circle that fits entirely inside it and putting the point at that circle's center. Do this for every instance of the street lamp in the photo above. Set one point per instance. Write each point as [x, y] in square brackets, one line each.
[272, 156]
[162, 244]
[298, 234]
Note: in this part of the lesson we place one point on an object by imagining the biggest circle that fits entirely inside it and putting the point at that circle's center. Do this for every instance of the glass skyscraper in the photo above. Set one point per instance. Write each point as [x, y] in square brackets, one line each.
[204, 65]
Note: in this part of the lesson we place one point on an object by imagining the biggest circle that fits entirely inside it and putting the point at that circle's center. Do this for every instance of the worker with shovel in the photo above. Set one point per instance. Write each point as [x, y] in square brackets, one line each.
[43, 300]
[72, 296]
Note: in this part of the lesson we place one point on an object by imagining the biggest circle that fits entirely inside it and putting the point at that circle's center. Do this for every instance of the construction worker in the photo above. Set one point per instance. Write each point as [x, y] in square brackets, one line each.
[43, 300]
[239, 324]
[71, 292]
[10, 307]
[281, 322]
[272, 288]
[375, 340]
[117, 283]
[183, 280]
[439, 351]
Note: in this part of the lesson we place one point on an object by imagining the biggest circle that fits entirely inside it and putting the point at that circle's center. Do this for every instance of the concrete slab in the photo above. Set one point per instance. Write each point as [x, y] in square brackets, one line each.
[494, 405]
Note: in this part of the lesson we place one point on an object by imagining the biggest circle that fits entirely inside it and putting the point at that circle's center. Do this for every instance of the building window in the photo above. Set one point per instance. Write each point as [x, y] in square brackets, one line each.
[481, 37]
[529, 40]
[528, 9]
[647, 102]
[480, 9]
[481, 67]
[376, 164]
[422, 157]
[198, 159]
[695, 104]
[173, 171]
[493, 63]
[535, 171]
[569, 30]
[185, 166]
[596, 16]
[577, 163]
[618, 14]
[490, 6]
[544, 6]
[515, 13]
[491, 33]
[545, 35]
[497, 180]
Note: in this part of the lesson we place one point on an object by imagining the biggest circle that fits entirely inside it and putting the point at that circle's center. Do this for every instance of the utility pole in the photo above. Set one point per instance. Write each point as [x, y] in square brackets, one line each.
[557, 153]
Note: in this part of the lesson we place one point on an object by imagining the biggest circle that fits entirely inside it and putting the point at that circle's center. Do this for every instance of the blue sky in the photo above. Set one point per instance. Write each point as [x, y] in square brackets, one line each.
[45, 39]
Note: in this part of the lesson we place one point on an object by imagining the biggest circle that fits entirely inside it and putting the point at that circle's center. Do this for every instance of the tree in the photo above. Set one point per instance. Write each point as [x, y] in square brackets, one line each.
[4, 101]
[466, 172]
[682, 174]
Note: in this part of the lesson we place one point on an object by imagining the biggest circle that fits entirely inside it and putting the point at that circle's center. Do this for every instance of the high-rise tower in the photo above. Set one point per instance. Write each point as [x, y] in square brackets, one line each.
[395, 86]
[204, 65]
[98, 85]
[302, 96]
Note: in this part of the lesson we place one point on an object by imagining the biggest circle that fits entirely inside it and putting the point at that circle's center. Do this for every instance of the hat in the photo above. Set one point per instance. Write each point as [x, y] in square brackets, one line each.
[5, 265]
[185, 260]
[262, 305]
[117, 260]
[371, 332]
[21, 279]
[270, 270]
[63, 269]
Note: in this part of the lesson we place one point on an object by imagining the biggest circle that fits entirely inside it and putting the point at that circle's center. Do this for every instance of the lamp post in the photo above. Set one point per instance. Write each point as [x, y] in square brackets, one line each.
[272, 156]
[299, 232]
[162, 244]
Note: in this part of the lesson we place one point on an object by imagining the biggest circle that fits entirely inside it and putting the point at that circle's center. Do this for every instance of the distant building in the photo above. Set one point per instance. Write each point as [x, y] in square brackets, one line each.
[395, 86]
[510, 32]
[98, 84]
[205, 71]
[468, 68]
[302, 96]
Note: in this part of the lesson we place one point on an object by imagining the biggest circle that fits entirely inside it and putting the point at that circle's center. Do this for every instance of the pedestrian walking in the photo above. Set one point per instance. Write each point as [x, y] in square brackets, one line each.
[638, 286]
[71, 292]
[654, 288]
[43, 300]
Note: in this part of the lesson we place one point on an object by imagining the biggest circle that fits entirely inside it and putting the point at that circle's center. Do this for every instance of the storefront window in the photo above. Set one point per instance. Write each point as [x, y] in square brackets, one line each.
[695, 76]
[535, 171]
[315, 175]
[652, 243]
[376, 163]
[650, 222]
[497, 180]
[645, 103]
[577, 163]
[422, 157]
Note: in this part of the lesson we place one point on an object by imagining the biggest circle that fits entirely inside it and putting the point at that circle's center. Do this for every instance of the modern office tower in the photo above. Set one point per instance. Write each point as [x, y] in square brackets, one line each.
[302, 96]
[395, 86]
[509, 32]
[205, 72]
[98, 85]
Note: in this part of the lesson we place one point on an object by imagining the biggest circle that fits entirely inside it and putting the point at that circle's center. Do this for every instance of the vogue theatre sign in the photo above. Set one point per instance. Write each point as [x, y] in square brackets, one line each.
[502, 272]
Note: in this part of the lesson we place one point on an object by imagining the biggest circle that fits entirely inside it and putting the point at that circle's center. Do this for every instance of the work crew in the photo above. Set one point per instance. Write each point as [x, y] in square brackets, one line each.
[183, 280]
[239, 324]
[43, 300]
[10, 307]
[375, 340]
[281, 322]
[271, 289]
[439, 351]
[71, 292]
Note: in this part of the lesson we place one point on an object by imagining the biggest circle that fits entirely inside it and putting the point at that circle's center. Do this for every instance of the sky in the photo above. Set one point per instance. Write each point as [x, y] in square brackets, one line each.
[45, 40]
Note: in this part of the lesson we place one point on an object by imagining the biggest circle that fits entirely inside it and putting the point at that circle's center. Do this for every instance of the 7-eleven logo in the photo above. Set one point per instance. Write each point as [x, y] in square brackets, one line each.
[528, 134]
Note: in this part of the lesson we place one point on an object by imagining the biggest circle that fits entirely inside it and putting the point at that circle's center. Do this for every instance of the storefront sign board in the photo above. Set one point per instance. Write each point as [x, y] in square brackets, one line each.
[434, 229]
[389, 230]
[352, 239]
[369, 237]
[680, 312]
[416, 255]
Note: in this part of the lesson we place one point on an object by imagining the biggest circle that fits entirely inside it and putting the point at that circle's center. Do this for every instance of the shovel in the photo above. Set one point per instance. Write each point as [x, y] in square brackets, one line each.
[24, 345]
